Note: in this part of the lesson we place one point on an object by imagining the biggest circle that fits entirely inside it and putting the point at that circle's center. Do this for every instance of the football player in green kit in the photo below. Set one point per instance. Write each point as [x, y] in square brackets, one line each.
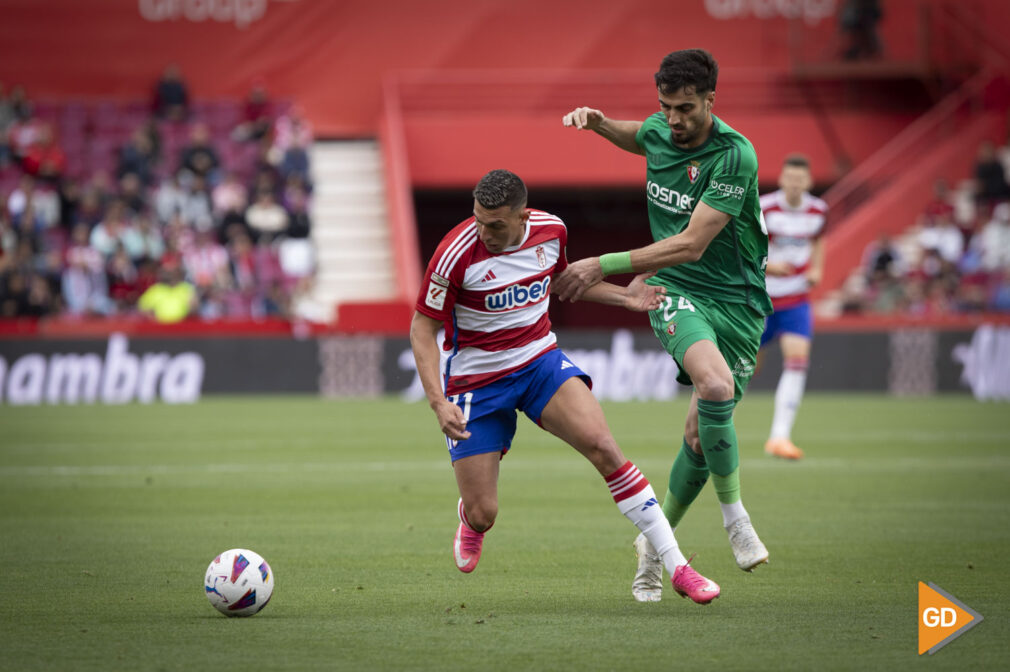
[710, 253]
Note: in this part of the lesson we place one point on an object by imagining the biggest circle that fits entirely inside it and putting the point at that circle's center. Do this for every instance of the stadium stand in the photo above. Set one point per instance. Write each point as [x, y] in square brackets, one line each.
[100, 199]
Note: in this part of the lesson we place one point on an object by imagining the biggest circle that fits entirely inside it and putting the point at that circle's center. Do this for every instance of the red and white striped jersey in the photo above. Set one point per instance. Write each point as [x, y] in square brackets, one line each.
[494, 306]
[791, 235]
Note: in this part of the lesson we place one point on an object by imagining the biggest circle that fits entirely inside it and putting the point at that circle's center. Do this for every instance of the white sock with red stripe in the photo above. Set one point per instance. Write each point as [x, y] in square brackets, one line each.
[636, 500]
[788, 396]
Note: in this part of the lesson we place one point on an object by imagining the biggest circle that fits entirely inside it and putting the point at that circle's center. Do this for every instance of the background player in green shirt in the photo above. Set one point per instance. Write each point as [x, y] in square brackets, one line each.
[710, 252]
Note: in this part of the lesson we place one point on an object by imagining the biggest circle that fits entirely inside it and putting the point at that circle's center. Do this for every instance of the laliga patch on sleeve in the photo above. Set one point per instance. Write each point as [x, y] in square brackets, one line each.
[435, 298]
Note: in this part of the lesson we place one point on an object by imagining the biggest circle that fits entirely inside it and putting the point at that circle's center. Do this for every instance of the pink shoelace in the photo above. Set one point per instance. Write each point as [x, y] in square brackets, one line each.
[470, 541]
[689, 578]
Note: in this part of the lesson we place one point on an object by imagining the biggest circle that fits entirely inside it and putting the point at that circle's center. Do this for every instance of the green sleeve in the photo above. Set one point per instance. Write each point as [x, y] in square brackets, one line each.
[732, 176]
[646, 126]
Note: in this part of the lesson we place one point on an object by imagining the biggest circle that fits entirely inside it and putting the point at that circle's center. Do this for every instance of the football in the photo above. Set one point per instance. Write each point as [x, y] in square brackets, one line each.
[239, 582]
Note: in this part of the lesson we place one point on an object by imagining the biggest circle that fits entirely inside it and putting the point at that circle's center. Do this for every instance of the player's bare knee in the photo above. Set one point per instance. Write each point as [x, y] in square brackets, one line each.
[715, 388]
[481, 516]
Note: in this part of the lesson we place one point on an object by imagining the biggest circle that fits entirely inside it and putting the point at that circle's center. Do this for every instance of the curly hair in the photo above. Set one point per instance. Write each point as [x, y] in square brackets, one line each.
[498, 188]
[688, 68]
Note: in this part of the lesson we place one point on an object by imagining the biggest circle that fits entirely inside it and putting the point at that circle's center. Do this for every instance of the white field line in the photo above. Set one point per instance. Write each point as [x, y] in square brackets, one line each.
[344, 469]
[954, 437]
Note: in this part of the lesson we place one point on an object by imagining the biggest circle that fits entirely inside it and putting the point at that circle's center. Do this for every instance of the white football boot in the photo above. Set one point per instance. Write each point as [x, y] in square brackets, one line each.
[747, 548]
[648, 583]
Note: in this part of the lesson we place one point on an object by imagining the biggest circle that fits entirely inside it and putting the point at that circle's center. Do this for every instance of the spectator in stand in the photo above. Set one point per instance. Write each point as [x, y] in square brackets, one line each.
[171, 299]
[39, 301]
[199, 156]
[23, 130]
[6, 119]
[171, 96]
[84, 285]
[150, 234]
[14, 294]
[882, 256]
[297, 202]
[247, 272]
[266, 217]
[169, 199]
[276, 301]
[292, 140]
[257, 118]
[89, 210]
[993, 242]
[990, 180]
[117, 229]
[28, 220]
[45, 202]
[939, 234]
[295, 252]
[206, 263]
[230, 202]
[229, 196]
[941, 202]
[137, 157]
[45, 160]
[858, 21]
[132, 194]
[971, 293]
[122, 279]
[178, 238]
[8, 241]
[20, 103]
[197, 210]
[69, 195]
[266, 177]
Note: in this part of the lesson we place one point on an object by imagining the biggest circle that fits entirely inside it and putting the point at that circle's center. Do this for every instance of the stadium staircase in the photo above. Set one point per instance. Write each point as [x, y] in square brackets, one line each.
[350, 225]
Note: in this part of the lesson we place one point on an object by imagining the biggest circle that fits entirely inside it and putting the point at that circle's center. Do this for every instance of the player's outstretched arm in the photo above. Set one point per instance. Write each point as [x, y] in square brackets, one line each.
[424, 343]
[685, 247]
[621, 133]
[637, 296]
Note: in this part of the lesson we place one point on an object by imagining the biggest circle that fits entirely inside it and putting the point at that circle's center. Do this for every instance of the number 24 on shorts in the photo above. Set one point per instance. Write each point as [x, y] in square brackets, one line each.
[669, 311]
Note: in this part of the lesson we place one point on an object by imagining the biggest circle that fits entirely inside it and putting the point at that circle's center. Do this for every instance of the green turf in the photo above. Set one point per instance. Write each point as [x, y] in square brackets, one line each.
[109, 516]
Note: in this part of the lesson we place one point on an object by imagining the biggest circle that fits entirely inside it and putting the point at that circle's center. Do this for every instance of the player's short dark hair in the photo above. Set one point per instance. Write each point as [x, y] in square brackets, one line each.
[796, 161]
[690, 68]
[500, 187]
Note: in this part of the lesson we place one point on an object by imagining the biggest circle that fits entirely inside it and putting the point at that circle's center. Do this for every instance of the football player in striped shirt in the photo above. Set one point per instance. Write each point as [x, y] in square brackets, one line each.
[488, 285]
[795, 221]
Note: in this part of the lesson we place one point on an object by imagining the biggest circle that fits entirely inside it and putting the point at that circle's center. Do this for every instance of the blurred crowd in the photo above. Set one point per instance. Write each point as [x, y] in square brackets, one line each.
[954, 259]
[169, 208]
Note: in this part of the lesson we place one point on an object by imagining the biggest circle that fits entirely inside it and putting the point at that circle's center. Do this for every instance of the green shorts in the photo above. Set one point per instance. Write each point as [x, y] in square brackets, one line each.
[735, 328]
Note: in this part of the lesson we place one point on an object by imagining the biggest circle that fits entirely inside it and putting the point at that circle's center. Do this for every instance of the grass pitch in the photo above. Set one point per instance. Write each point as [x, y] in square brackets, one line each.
[110, 515]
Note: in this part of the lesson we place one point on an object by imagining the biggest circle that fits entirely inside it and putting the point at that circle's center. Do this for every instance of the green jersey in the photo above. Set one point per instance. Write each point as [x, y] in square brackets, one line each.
[722, 173]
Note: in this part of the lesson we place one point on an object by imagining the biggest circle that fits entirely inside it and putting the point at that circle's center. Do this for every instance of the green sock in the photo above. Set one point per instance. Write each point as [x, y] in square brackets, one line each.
[687, 478]
[718, 442]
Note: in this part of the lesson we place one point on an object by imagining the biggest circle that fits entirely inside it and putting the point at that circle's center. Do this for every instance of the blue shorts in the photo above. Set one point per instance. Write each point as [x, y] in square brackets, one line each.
[490, 411]
[794, 320]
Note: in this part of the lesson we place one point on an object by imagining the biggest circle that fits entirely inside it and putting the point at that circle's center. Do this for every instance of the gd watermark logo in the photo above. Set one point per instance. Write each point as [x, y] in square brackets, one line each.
[942, 618]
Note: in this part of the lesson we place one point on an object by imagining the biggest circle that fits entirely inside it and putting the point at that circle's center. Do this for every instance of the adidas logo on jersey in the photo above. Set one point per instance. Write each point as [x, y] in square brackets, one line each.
[489, 276]
[517, 296]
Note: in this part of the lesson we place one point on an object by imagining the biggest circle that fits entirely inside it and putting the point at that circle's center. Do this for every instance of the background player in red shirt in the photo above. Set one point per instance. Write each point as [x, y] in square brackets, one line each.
[488, 284]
